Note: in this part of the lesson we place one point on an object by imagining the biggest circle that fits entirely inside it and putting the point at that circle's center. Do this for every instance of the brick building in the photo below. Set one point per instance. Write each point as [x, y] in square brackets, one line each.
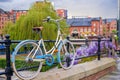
[109, 25]
[17, 13]
[91, 26]
[12, 15]
[85, 26]
[62, 13]
[5, 16]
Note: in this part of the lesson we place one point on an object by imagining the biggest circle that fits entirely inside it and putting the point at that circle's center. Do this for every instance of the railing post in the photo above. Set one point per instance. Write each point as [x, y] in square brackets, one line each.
[99, 40]
[110, 47]
[86, 41]
[68, 59]
[8, 69]
[110, 39]
[68, 38]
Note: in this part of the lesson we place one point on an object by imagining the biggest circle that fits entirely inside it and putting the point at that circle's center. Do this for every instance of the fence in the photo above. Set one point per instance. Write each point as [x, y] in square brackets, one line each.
[9, 71]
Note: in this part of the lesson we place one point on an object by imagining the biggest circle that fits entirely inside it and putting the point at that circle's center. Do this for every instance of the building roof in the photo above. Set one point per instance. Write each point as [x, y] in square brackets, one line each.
[19, 10]
[109, 20]
[2, 11]
[81, 21]
[96, 18]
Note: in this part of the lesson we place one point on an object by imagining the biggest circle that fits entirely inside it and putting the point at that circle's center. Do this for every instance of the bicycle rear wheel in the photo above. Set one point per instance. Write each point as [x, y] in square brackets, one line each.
[23, 62]
[67, 54]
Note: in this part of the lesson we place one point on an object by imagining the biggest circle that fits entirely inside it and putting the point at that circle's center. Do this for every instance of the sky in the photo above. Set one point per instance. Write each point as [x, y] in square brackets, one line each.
[80, 8]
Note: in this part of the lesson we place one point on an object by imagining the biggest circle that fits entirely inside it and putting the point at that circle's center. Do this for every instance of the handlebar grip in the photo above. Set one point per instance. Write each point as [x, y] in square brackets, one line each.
[46, 20]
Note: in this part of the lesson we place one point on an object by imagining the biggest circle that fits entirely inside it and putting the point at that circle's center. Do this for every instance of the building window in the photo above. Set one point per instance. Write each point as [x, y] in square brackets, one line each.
[94, 25]
[85, 29]
[81, 29]
[75, 33]
[89, 29]
[94, 30]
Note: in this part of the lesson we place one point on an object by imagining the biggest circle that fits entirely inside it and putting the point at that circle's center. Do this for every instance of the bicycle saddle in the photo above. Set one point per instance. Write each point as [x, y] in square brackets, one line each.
[37, 29]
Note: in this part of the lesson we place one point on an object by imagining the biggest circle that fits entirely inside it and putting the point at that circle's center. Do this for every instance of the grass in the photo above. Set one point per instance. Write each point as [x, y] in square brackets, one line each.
[86, 59]
[45, 68]
[3, 64]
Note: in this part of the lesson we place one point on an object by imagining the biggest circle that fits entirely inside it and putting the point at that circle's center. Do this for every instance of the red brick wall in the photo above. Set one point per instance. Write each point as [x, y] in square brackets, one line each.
[3, 20]
[95, 26]
[100, 74]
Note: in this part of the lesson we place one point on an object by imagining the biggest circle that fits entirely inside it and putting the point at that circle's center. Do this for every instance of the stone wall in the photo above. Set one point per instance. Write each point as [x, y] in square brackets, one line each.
[86, 71]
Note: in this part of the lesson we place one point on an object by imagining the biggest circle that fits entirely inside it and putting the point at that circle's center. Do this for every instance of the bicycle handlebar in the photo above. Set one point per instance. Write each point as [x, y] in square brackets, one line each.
[55, 20]
[49, 18]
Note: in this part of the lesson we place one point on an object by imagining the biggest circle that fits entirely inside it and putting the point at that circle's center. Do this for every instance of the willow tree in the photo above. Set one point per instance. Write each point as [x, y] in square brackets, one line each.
[22, 29]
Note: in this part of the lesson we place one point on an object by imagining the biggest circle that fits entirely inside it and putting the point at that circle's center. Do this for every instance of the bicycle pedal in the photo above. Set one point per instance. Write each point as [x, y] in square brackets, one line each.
[55, 51]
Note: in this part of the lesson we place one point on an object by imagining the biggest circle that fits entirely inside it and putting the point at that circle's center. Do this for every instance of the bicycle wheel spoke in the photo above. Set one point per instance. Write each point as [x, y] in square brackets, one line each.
[24, 63]
[67, 55]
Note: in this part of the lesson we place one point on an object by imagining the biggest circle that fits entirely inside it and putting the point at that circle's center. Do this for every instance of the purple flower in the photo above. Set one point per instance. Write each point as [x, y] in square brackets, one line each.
[75, 62]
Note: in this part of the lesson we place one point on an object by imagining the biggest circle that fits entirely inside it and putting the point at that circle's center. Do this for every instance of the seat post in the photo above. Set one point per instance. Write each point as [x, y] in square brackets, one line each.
[40, 34]
[38, 30]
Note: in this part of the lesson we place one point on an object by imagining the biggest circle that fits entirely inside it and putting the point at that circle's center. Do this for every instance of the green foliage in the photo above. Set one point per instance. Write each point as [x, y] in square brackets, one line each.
[22, 29]
[114, 31]
[2, 63]
[87, 59]
[116, 37]
[115, 34]
[44, 68]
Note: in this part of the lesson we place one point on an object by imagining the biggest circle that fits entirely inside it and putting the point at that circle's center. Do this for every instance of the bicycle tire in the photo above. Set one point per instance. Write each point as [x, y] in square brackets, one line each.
[67, 54]
[20, 63]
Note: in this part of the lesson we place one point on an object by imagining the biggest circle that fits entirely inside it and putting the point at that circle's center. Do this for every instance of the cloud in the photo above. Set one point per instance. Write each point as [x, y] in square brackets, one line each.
[103, 8]
[17, 4]
[5, 0]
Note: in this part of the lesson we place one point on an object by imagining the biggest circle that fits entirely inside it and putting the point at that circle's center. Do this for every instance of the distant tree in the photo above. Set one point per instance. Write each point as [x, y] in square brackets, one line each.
[22, 29]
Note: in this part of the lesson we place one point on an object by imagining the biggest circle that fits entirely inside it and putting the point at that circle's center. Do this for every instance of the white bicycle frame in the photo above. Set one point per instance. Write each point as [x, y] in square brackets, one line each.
[57, 42]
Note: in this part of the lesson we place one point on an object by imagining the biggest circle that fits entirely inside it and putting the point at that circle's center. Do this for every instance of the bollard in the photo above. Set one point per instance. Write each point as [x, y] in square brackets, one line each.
[8, 69]
[99, 40]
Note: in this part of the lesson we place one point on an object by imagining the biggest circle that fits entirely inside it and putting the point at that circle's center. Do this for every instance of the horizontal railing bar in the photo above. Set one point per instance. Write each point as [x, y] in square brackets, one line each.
[72, 40]
[2, 73]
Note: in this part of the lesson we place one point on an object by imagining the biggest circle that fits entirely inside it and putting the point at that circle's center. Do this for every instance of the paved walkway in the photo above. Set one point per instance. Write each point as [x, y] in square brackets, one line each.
[115, 75]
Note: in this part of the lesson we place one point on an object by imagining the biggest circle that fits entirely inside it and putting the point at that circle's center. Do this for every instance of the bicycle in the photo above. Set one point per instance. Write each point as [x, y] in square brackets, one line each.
[32, 60]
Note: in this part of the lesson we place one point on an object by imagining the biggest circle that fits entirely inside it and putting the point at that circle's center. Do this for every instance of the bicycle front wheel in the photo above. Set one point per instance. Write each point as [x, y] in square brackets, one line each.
[23, 62]
[67, 54]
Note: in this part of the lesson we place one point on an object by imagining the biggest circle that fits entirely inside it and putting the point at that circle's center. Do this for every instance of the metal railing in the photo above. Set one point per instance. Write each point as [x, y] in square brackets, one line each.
[86, 43]
[9, 71]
